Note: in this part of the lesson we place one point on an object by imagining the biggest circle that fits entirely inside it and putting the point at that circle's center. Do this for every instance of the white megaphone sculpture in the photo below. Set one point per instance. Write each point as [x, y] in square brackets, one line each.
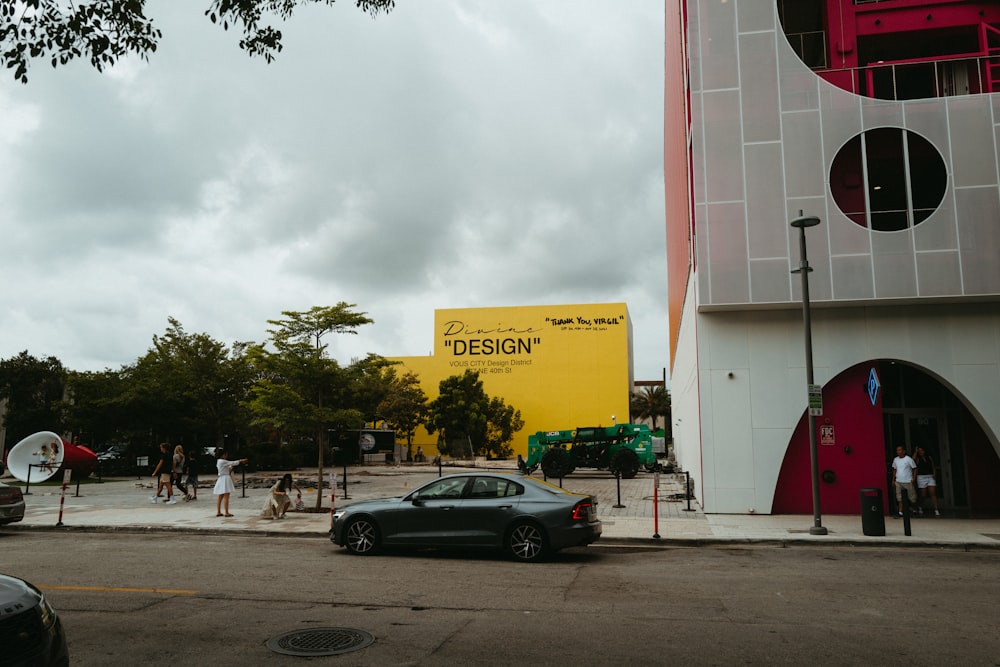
[43, 454]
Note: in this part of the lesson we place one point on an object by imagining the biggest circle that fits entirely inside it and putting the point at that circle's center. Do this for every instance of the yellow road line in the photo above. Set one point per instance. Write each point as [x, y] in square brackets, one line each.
[118, 590]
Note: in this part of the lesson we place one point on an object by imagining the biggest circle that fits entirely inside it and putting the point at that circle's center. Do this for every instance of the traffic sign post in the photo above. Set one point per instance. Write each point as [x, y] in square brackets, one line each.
[67, 473]
[816, 400]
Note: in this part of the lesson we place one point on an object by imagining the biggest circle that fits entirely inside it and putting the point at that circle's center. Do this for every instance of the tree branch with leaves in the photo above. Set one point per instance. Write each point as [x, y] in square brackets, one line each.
[103, 31]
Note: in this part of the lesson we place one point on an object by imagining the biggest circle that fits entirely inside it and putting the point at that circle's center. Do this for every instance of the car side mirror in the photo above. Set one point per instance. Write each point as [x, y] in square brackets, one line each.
[417, 502]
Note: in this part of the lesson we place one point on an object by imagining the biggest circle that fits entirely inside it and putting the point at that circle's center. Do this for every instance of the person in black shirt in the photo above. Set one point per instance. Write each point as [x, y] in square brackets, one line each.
[165, 471]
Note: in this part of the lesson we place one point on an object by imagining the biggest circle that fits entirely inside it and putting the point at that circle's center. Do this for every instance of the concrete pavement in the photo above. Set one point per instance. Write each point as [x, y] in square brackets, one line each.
[627, 510]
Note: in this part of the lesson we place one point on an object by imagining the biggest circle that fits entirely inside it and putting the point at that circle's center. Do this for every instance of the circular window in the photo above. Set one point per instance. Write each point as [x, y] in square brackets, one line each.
[888, 179]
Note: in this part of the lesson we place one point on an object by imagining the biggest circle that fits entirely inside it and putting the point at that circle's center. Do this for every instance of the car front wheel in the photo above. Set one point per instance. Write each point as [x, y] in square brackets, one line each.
[361, 537]
[526, 542]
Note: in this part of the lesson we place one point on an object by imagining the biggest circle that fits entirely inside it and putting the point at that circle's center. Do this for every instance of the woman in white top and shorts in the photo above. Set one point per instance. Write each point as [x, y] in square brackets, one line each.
[926, 479]
[224, 485]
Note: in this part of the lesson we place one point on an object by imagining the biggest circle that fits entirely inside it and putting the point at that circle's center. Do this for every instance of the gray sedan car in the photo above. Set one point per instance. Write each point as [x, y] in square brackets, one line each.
[11, 504]
[522, 515]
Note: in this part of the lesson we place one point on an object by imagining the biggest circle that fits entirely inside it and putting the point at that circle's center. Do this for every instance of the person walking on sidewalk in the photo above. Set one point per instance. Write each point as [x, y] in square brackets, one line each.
[178, 467]
[224, 486]
[926, 479]
[903, 473]
[165, 471]
[193, 468]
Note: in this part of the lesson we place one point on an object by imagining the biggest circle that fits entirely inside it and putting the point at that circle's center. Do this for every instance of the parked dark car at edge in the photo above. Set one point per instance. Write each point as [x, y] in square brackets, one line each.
[522, 515]
[11, 504]
[30, 631]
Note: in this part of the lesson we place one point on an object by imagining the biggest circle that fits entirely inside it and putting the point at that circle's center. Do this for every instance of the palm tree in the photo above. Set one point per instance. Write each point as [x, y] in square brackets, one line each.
[652, 403]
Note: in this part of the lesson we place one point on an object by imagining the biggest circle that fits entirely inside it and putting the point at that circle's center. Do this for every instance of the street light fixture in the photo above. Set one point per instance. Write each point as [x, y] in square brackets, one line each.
[801, 223]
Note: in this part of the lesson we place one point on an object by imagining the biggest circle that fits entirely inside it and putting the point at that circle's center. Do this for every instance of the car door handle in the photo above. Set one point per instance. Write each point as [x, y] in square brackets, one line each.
[447, 507]
[505, 507]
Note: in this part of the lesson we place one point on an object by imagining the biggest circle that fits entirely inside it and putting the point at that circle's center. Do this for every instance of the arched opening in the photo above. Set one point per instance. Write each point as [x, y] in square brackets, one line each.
[868, 410]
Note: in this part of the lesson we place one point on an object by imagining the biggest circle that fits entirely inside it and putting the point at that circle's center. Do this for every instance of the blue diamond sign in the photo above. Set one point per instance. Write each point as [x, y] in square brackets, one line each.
[873, 386]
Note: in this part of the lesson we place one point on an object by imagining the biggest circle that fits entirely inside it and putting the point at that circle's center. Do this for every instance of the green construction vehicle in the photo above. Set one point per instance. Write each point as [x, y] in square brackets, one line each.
[621, 449]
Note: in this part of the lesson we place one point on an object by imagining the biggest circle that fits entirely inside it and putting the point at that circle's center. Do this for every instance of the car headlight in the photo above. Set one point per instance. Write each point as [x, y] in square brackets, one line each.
[339, 514]
[48, 614]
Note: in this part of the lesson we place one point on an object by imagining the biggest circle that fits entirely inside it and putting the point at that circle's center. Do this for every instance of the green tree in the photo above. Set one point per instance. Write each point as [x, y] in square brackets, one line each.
[405, 406]
[459, 413]
[189, 388]
[469, 420]
[33, 389]
[96, 411]
[102, 31]
[651, 403]
[502, 423]
[370, 381]
[299, 389]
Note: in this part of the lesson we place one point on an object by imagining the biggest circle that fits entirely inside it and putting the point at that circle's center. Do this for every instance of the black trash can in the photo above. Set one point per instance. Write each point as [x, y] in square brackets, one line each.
[872, 512]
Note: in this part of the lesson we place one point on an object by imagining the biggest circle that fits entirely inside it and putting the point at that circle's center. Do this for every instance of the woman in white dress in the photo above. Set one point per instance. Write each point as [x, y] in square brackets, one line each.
[224, 485]
[278, 501]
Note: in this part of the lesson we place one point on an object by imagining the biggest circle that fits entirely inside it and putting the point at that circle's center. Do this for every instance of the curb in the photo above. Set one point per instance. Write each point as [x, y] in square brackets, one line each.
[662, 543]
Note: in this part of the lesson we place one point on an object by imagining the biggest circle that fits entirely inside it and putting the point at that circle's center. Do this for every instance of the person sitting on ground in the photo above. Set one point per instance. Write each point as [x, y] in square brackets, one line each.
[278, 501]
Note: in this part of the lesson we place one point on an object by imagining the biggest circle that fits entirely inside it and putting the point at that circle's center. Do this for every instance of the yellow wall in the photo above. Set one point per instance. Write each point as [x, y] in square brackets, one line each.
[561, 366]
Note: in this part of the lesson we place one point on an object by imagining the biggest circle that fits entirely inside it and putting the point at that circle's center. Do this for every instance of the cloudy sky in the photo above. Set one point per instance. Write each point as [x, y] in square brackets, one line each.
[451, 154]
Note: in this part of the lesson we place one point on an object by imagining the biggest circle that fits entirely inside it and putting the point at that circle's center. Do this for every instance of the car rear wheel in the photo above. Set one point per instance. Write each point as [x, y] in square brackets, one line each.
[526, 542]
[361, 536]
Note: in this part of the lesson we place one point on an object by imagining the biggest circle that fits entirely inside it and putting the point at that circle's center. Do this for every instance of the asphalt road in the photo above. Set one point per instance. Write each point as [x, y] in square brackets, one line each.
[159, 599]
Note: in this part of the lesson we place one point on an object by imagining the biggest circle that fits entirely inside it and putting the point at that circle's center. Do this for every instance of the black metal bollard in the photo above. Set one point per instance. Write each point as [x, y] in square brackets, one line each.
[906, 512]
[656, 505]
[687, 490]
[618, 483]
[345, 496]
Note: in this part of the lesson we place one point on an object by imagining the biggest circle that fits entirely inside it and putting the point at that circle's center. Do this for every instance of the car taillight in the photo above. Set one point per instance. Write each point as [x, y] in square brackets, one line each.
[582, 511]
[11, 495]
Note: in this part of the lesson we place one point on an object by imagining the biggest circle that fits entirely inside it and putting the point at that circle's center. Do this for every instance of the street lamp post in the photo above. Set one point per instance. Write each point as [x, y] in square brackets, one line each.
[802, 222]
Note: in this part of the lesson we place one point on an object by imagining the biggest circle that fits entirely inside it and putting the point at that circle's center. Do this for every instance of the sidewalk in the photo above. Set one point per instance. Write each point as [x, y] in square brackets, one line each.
[628, 512]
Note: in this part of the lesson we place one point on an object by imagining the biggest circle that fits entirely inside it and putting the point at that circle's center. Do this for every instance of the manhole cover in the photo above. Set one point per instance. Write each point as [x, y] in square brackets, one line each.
[320, 641]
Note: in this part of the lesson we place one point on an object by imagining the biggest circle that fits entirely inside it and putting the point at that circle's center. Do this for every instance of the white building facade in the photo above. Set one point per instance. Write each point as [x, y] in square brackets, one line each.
[864, 115]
